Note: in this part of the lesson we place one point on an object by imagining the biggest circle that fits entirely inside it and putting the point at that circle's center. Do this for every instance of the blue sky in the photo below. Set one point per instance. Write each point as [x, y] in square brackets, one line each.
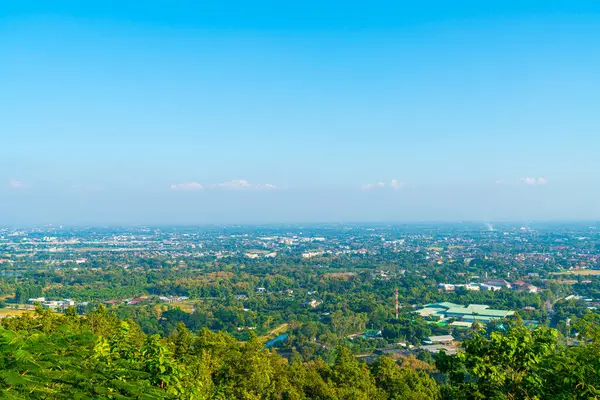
[262, 111]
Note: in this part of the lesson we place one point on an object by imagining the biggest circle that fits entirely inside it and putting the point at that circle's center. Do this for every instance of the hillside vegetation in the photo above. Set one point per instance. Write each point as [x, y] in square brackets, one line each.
[53, 356]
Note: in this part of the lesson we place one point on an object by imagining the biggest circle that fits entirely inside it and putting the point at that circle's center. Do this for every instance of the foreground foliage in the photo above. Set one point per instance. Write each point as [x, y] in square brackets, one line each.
[53, 356]
[523, 364]
[50, 356]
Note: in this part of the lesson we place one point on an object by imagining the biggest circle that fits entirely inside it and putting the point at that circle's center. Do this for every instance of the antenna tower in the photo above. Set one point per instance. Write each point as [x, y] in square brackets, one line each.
[397, 305]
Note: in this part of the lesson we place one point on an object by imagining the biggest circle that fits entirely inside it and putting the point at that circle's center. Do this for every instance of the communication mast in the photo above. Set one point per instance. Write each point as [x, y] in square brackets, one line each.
[397, 305]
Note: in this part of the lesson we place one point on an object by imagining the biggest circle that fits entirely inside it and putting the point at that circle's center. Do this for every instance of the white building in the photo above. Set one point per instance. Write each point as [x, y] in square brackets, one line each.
[439, 339]
[313, 303]
[36, 300]
[492, 288]
[311, 254]
[529, 289]
[449, 287]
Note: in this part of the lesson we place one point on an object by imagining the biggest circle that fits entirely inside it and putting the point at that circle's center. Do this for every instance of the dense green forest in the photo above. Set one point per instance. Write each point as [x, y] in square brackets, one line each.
[45, 355]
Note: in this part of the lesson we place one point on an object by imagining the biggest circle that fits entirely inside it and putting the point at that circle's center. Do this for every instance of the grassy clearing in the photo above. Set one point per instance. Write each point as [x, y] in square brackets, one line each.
[279, 330]
[185, 305]
[275, 332]
[583, 272]
[11, 312]
[339, 275]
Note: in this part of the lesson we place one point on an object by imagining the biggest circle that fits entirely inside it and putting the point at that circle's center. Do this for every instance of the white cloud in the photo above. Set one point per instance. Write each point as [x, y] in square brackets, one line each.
[235, 184]
[243, 184]
[394, 184]
[15, 184]
[370, 186]
[530, 181]
[534, 181]
[186, 186]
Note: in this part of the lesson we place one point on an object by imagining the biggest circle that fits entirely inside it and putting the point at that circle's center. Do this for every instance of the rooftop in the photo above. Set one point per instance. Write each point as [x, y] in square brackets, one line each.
[436, 348]
[461, 324]
[441, 338]
[472, 312]
[427, 311]
[443, 304]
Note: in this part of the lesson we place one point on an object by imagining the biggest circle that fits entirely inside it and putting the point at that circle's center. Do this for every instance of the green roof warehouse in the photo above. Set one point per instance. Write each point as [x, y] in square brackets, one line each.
[471, 313]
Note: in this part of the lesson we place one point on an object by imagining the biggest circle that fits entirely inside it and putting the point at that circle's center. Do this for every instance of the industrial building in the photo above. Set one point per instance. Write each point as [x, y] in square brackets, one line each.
[471, 313]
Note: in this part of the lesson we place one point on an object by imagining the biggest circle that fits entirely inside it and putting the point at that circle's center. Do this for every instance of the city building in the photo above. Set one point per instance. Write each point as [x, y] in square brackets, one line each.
[501, 283]
[471, 313]
[528, 289]
[443, 339]
[313, 303]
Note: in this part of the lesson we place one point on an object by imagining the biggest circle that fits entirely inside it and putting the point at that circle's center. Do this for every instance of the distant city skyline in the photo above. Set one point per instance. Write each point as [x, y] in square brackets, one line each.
[202, 113]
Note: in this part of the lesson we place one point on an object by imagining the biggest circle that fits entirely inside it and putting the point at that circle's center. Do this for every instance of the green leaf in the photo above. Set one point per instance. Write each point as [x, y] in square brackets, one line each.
[12, 378]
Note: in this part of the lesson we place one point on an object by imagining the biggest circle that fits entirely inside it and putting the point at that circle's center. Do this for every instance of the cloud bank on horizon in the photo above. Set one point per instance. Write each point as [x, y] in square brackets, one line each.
[393, 184]
[530, 181]
[534, 181]
[186, 186]
[233, 184]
